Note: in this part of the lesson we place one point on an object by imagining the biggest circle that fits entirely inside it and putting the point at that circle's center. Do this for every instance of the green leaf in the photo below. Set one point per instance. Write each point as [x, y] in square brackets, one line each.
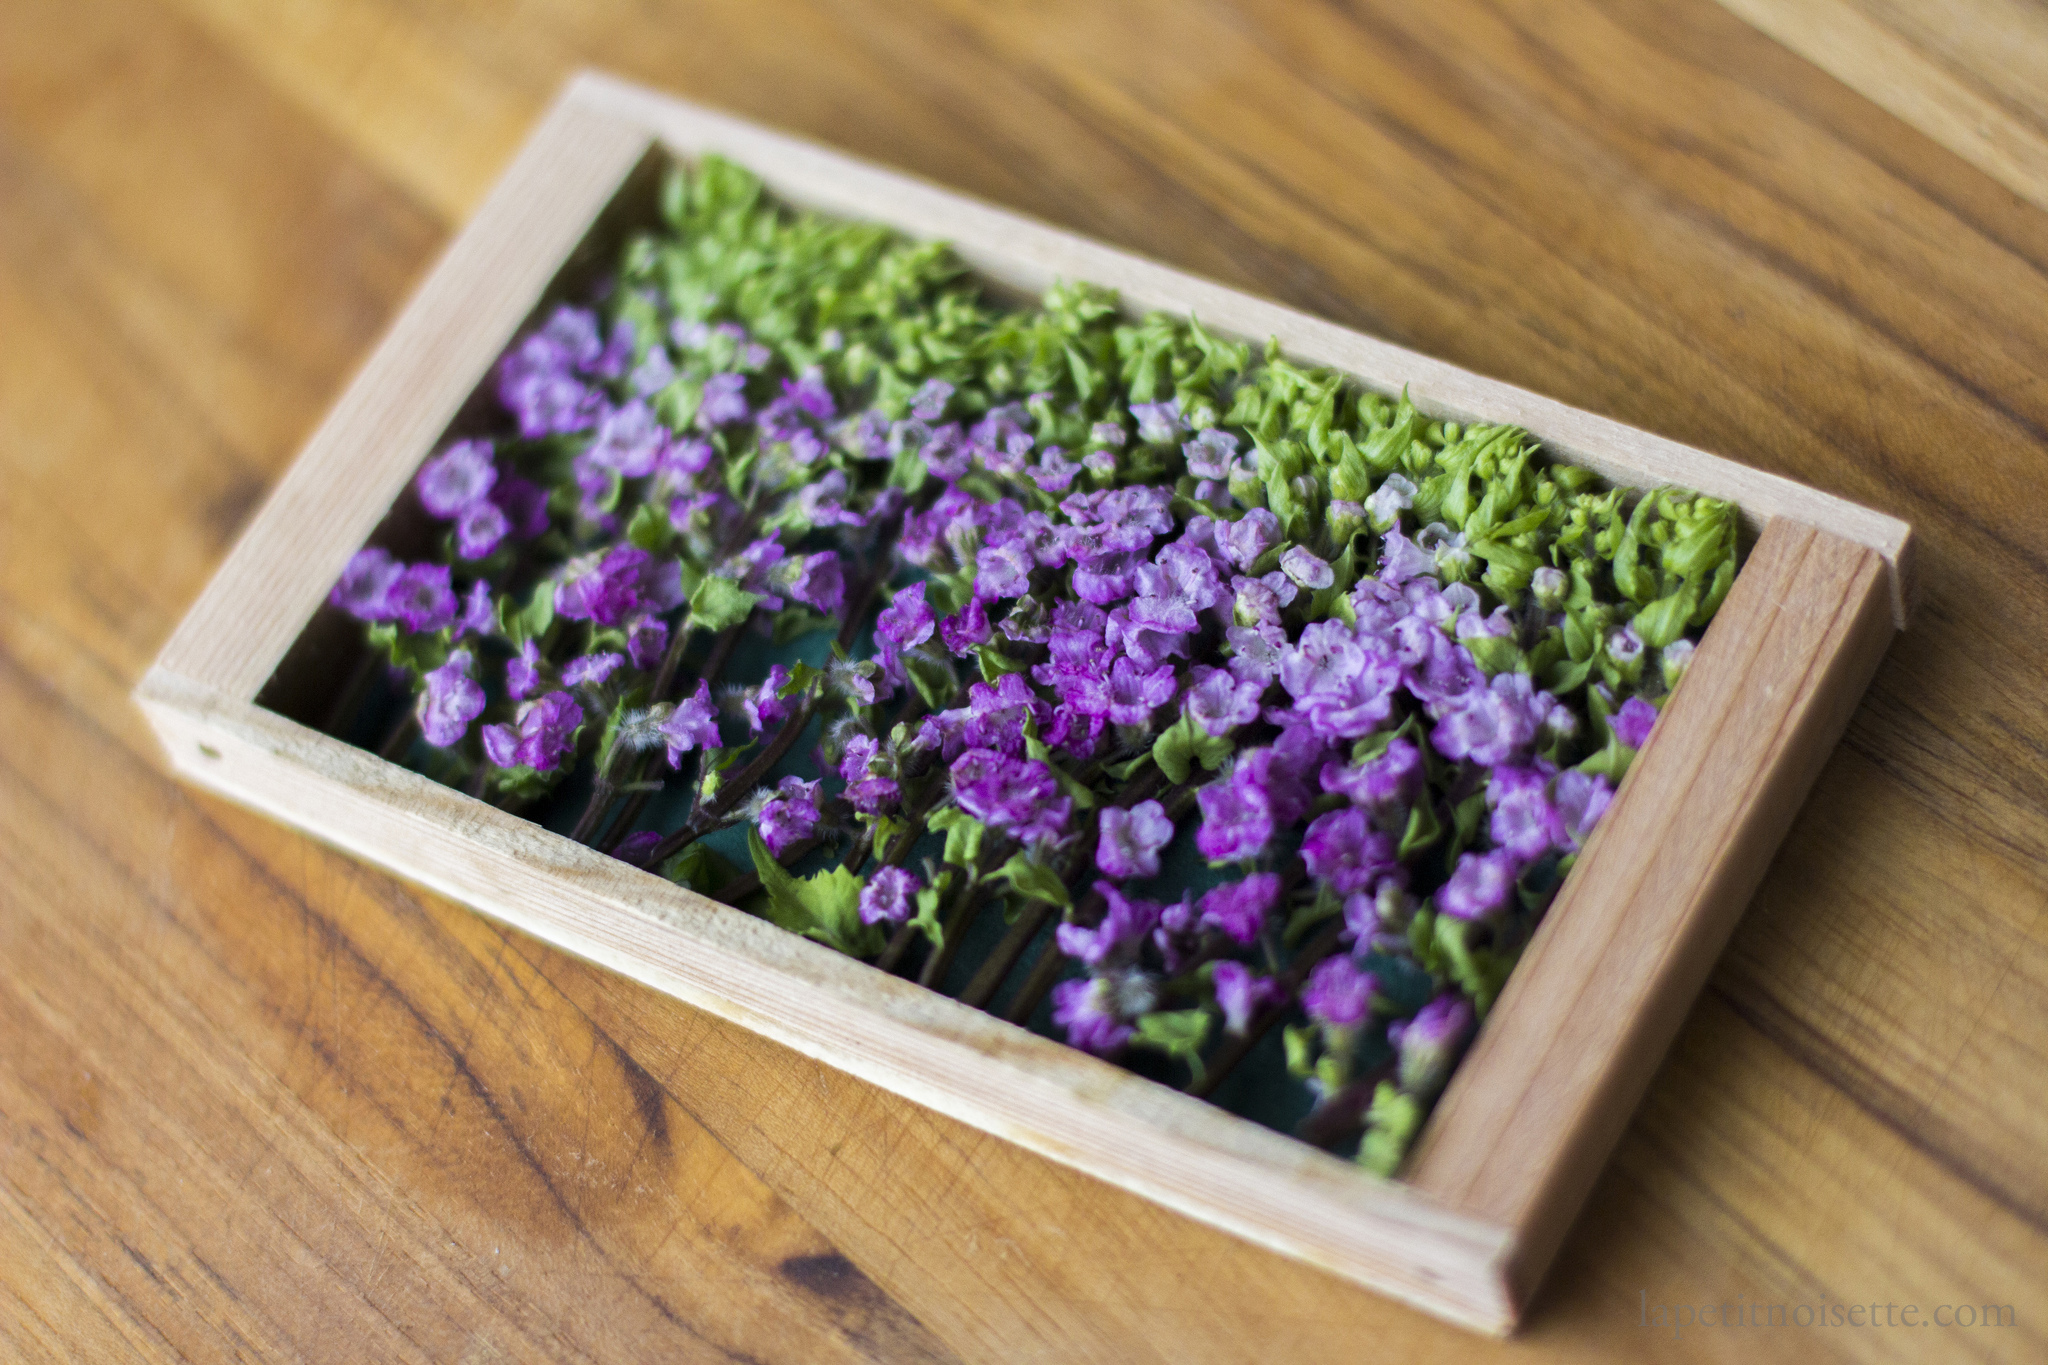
[1390, 1126]
[1611, 761]
[1076, 790]
[650, 529]
[520, 624]
[964, 835]
[926, 921]
[1478, 972]
[1495, 653]
[1174, 751]
[720, 603]
[1424, 829]
[700, 868]
[1177, 1033]
[995, 663]
[794, 622]
[1299, 1041]
[932, 676]
[1664, 620]
[1035, 880]
[824, 906]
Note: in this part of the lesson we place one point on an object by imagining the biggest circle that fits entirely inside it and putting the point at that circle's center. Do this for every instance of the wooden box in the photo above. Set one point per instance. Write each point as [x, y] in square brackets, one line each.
[1539, 1102]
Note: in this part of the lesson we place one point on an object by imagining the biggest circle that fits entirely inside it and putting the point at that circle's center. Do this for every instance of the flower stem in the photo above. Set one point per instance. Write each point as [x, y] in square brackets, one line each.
[997, 968]
[400, 737]
[714, 664]
[966, 906]
[1240, 1047]
[729, 795]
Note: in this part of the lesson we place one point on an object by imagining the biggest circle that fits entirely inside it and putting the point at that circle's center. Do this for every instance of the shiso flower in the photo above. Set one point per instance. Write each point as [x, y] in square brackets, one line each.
[1015, 596]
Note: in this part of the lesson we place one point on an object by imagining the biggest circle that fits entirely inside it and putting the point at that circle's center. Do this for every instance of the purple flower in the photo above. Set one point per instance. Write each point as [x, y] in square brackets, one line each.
[996, 713]
[817, 580]
[1391, 780]
[423, 598]
[479, 528]
[963, 632]
[365, 586]
[1134, 695]
[1524, 821]
[1480, 885]
[889, 896]
[456, 479]
[928, 404]
[1237, 819]
[1343, 684]
[1183, 575]
[1093, 1011]
[479, 612]
[654, 373]
[1219, 702]
[1306, 569]
[1256, 652]
[906, 622]
[646, 640]
[1158, 423]
[1401, 559]
[764, 705]
[1148, 644]
[525, 505]
[635, 847]
[1491, 724]
[1019, 797]
[1241, 993]
[1429, 1043]
[501, 745]
[692, 725]
[602, 587]
[545, 734]
[1338, 994]
[1343, 849]
[522, 672]
[822, 501]
[790, 815]
[1250, 536]
[1632, 723]
[725, 400]
[1002, 571]
[591, 668]
[1125, 925]
[629, 439]
[1130, 840]
[1054, 472]
[1393, 497]
[573, 337]
[1211, 454]
[1582, 798]
[450, 700]
[1240, 908]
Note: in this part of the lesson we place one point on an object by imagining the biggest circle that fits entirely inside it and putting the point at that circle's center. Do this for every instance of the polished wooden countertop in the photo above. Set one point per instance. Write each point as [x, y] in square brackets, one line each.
[259, 1101]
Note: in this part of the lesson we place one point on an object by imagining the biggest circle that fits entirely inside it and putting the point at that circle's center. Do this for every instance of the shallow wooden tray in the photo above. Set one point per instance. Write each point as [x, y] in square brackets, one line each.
[1532, 1114]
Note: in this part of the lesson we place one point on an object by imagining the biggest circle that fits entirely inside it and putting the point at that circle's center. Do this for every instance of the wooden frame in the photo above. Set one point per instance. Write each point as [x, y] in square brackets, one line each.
[1564, 1057]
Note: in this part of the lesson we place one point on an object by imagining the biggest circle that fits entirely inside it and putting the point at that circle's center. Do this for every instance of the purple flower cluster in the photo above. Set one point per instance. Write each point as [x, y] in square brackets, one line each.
[1097, 623]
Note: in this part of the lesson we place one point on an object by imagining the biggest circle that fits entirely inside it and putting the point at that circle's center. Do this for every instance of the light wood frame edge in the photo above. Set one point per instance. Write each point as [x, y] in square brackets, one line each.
[1476, 1271]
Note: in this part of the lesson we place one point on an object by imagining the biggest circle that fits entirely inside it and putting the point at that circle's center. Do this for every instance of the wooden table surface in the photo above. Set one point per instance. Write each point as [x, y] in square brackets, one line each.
[258, 1101]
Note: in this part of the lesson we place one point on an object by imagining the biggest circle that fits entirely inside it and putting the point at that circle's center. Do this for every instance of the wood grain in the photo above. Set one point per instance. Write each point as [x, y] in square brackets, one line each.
[1052, 1100]
[1647, 210]
[1971, 74]
[1530, 1116]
